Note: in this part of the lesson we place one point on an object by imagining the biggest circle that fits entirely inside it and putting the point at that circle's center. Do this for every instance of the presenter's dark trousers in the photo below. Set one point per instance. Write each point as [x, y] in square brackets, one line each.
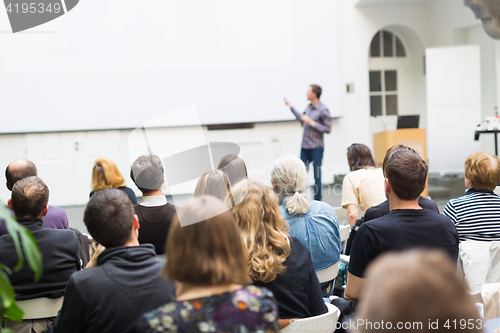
[314, 155]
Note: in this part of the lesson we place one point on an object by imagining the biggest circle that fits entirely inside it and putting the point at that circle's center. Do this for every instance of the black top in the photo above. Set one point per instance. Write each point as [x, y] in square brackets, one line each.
[399, 230]
[60, 260]
[382, 209]
[112, 296]
[297, 291]
[128, 191]
[155, 223]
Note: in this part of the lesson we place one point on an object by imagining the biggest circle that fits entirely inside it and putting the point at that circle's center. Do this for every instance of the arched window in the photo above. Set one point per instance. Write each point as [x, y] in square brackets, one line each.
[386, 49]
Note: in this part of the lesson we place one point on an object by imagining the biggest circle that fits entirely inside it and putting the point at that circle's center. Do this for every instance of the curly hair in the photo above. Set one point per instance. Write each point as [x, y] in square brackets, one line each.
[264, 230]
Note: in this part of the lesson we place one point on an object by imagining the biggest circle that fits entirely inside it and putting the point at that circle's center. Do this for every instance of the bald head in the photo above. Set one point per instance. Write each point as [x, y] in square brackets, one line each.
[19, 169]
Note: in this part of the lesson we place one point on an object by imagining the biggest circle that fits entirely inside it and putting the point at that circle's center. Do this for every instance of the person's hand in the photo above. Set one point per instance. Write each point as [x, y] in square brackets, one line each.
[93, 261]
[287, 102]
[307, 120]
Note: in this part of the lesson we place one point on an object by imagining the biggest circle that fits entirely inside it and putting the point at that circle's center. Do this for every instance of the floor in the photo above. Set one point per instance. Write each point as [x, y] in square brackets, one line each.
[332, 194]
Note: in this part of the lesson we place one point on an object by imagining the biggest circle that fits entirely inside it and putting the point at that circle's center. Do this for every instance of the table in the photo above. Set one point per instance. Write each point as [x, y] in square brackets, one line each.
[495, 132]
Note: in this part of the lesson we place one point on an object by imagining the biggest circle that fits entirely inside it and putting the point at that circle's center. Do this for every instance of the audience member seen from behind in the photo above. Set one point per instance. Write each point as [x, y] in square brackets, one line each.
[154, 212]
[477, 218]
[375, 212]
[313, 223]
[105, 174]
[406, 226]
[364, 185]
[217, 184]
[29, 203]
[421, 291]
[206, 258]
[234, 167]
[120, 283]
[275, 260]
[56, 217]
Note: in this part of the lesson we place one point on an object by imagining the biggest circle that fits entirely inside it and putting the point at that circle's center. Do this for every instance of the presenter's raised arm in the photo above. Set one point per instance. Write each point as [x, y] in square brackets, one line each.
[296, 114]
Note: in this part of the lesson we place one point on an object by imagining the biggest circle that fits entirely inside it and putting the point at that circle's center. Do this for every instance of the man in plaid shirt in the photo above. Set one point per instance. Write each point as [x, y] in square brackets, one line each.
[316, 120]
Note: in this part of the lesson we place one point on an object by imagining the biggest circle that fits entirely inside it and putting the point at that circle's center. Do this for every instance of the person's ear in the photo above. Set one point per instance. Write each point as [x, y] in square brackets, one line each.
[45, 210]
[136, 222]
[387, 186]
[9, 202]
[8, 187]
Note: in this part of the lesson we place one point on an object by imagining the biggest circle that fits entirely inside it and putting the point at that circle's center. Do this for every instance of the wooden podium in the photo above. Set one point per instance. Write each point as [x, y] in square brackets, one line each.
[411, 137]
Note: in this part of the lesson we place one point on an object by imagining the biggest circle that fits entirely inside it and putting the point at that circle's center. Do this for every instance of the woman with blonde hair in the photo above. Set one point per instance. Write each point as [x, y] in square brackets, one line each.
[313, 223]
[215, 183]
[206, 258]
[275, 260]
[105, 174]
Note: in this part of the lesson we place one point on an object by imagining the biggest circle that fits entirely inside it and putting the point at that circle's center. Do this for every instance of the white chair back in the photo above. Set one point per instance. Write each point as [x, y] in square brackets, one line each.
[38, 308]
[324, 323]
[329, 273]
[341, 215]
[345, 230]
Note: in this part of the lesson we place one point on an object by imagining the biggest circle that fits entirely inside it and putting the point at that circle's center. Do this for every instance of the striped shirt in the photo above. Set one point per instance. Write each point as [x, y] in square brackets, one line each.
[476, 215]
[313, 136]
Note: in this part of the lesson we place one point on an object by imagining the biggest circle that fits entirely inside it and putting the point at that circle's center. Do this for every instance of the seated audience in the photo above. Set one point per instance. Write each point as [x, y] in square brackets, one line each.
[121, 282]
[477, 218]
[58, 247]
[56, 217]
[406, 226]
[207, 260]
[421, 291]
[276, 261]
[383, 209]
[234, 167]
[313, 223]
[215, 183]
[364, 185]
[105, 174]
[154, 212]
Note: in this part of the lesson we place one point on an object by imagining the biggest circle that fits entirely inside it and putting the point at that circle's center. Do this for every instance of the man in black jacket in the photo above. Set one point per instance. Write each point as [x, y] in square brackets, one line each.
[123, 282]
[58, 247]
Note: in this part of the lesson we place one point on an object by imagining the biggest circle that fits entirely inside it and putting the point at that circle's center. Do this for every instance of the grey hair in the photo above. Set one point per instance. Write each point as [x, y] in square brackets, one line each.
[290, 176]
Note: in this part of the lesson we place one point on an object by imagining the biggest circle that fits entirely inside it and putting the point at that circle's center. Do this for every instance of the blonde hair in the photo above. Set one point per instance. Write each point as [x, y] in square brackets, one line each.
[215, 183]
[483, 170]
[209, 252]
[290, 176]
[264, 230]
[106, 174]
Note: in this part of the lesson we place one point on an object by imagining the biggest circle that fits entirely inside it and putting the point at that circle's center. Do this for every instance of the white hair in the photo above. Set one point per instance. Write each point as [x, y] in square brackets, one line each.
[290, 176]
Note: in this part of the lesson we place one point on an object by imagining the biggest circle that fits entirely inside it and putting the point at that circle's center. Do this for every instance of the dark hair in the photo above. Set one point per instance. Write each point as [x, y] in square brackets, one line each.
[234, 167]
[359, 156]
[206, 253]
[18, 170]
[147, 173]
[415, 287]
[29, 197]
[406, 172]
[316, 89]
[109, 217]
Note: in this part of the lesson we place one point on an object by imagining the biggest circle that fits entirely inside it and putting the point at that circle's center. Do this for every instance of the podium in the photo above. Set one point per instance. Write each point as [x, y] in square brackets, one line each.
[411, 137]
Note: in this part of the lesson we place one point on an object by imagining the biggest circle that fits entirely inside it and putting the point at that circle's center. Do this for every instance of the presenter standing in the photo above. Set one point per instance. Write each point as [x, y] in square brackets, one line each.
[316, 120]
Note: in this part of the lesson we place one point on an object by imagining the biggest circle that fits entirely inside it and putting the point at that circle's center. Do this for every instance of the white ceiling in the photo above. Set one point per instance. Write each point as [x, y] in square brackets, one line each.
[360, 3]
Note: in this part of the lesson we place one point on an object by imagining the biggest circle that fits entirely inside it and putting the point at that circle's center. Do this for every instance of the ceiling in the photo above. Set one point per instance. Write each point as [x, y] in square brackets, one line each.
[361, 3]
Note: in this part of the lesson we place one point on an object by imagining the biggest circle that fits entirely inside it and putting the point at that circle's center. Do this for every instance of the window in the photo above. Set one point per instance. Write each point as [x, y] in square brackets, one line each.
[386, 44]
[384, 73]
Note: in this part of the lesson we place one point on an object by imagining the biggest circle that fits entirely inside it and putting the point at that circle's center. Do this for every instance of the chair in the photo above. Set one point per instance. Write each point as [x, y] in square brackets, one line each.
[324, 323]
[38, 314]
[345, 230]
[329, 273]
[341, 215]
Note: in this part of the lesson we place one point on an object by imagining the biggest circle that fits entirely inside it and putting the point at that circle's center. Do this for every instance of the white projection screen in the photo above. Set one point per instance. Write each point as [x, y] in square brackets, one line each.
[112, 64]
